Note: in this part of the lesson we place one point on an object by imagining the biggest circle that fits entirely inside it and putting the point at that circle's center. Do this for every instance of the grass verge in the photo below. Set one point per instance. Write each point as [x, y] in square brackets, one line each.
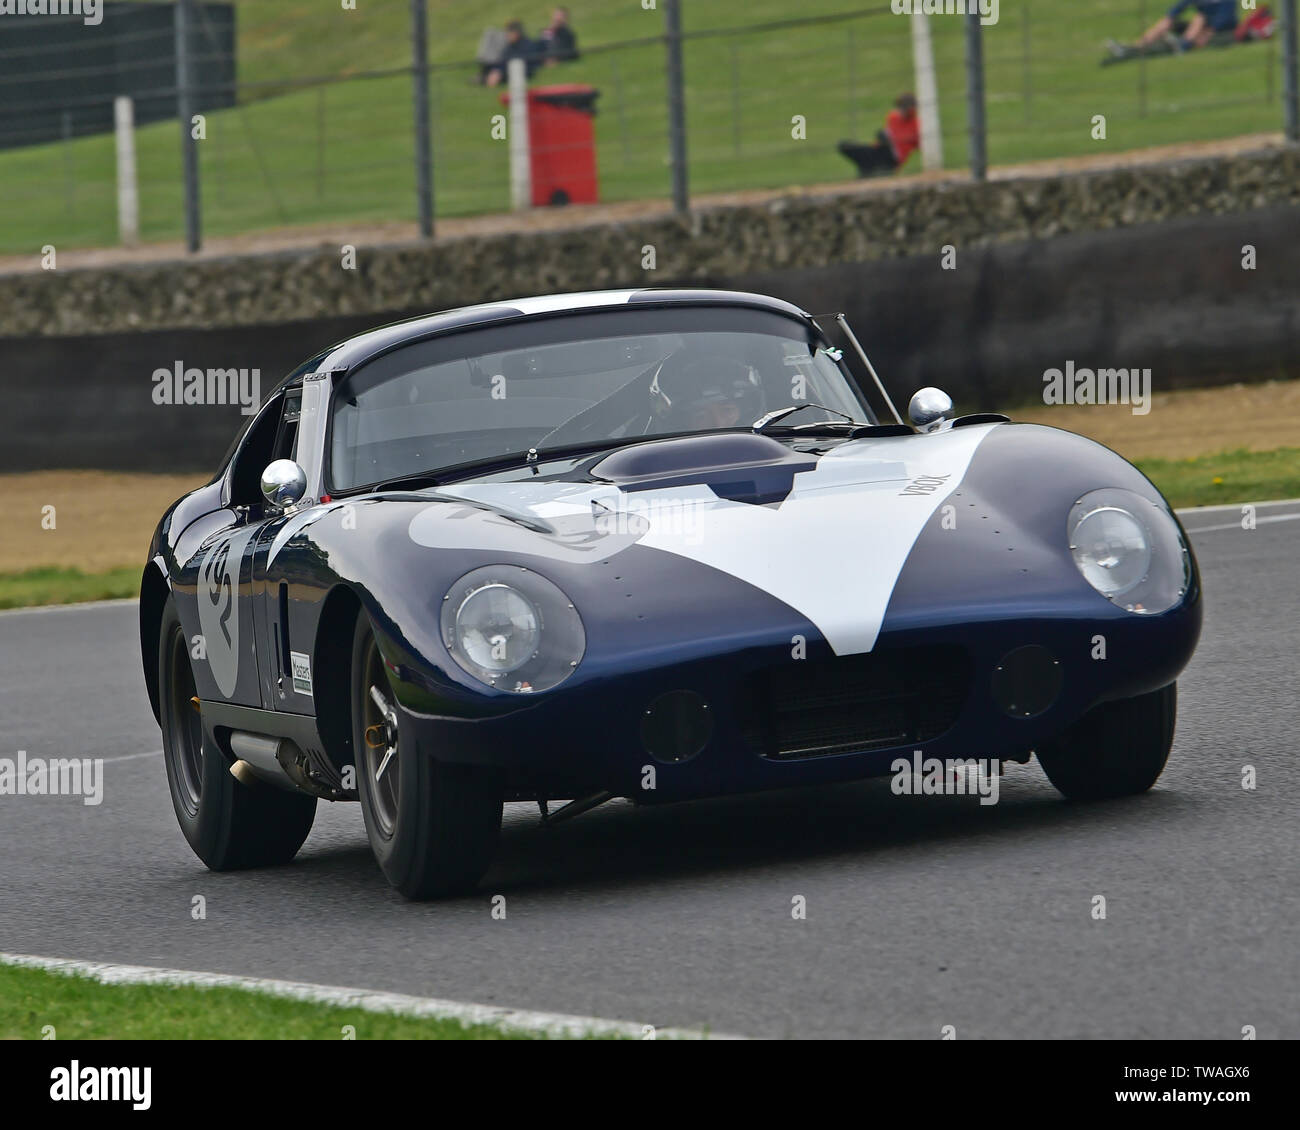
[1230, 476]
[79, 1008]
[66, 586]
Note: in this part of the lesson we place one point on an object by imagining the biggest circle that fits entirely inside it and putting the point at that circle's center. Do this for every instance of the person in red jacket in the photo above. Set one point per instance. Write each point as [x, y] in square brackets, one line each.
[893, 144]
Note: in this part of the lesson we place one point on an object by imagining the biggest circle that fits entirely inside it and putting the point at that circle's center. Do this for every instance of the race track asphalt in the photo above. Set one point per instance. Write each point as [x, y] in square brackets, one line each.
[921, 912]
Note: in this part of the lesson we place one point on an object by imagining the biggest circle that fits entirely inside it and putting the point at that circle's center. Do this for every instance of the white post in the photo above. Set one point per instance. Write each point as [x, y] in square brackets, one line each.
[128, 195]
[521, 173]
[927, 91]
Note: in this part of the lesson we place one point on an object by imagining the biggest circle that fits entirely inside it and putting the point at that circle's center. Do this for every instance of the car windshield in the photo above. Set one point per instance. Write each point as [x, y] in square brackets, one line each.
[578, 379]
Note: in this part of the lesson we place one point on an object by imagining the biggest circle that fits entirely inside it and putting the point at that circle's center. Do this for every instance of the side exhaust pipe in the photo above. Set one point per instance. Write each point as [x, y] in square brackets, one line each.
[258, 759]
[243, 773]
[278, 762]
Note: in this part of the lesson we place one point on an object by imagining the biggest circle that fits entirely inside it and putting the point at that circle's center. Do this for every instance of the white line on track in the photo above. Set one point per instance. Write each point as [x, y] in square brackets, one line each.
[554, 1024]
[1238, 526]
[1237, 505]
[132, 756]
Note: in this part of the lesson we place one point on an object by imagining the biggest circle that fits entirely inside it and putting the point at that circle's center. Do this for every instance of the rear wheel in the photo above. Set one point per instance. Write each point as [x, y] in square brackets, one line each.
[1116, 749]
[433, 827]
[229, 825]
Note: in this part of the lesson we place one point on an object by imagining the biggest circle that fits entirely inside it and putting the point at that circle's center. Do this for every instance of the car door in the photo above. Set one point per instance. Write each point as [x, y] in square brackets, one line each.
[214, 589]
[225, 638]
[281, 688]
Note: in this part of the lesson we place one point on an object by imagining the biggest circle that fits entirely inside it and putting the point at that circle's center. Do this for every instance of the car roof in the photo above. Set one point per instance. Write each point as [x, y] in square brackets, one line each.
[362, 347]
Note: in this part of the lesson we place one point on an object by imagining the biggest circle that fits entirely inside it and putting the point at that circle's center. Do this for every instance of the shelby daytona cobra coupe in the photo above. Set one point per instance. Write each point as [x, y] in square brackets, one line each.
[650, 544]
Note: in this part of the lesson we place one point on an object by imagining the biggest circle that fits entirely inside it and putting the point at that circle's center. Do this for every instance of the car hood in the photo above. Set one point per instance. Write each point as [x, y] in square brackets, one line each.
[828, 535]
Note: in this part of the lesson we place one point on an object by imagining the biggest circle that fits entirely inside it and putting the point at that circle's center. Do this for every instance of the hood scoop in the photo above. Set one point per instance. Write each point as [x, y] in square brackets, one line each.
[738, 466]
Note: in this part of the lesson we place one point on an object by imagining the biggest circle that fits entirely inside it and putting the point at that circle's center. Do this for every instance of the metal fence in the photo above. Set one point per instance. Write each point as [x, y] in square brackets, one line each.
[312, 133]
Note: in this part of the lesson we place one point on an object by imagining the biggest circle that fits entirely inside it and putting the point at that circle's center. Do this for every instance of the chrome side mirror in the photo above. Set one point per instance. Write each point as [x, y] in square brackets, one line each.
[930, 410]
[284, 483]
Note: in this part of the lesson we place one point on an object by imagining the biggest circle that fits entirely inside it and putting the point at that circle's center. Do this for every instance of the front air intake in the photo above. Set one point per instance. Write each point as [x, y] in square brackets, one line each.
[854, 703]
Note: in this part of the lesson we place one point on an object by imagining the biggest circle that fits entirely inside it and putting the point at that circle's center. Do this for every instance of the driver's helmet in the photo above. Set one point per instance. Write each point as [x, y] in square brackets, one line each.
[700, 392]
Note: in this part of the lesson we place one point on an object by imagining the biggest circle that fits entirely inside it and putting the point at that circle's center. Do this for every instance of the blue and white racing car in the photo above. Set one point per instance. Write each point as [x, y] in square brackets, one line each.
[648, 544]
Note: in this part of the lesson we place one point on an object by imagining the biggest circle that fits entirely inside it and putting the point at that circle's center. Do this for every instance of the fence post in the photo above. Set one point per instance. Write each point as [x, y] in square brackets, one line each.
[185, 115]
[420, 93]
[676, 105]
[128, 196]
[927, 91]
[521, 171]
[1290, 66]
[975, 97]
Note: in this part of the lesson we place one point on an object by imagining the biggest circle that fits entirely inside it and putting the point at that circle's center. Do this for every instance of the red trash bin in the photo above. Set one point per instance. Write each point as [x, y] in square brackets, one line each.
[562, 143]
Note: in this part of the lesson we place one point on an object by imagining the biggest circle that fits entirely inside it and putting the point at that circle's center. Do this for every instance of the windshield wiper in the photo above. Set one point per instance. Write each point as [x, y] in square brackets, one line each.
[764, 422]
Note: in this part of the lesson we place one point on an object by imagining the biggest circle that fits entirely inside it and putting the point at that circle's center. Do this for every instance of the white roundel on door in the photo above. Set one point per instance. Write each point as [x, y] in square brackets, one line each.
[219, 608]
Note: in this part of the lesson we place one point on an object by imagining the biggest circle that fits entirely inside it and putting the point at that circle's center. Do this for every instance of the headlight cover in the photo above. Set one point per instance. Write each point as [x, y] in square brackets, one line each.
[512, 629]
[1130, 550]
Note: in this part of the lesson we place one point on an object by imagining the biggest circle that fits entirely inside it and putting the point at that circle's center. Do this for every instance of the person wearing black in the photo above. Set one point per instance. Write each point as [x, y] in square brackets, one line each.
[559, 41]
[518, 46]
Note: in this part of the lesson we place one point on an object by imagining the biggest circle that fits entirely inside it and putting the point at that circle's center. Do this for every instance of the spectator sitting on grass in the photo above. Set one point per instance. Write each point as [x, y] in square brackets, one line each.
[893, 144]
[559, 42]
[491, 50]
[518, 46]
[1212, 17]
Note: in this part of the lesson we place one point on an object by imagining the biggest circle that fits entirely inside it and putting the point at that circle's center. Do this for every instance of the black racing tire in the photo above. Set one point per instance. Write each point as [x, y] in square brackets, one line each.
[1116, 749]
[434, 827]
[229, 825]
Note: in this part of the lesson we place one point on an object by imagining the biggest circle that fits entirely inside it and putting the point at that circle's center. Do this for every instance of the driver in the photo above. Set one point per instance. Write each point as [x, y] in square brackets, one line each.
[700, 392]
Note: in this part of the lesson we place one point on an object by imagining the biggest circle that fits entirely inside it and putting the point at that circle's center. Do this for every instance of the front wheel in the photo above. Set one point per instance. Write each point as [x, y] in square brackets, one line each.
[1116, 749]
[228, 824]
[433, 827]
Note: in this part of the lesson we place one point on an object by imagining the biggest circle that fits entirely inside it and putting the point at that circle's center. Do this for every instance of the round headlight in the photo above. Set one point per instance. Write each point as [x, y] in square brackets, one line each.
[1111, 550]
[512, 629]
[1130, 549]
[498, 628]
